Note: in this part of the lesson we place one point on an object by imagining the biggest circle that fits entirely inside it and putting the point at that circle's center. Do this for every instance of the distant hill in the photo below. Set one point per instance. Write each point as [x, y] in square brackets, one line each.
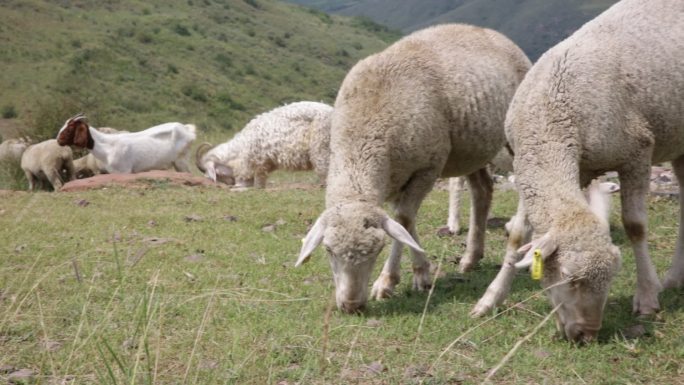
[535, 25]
[134, 63]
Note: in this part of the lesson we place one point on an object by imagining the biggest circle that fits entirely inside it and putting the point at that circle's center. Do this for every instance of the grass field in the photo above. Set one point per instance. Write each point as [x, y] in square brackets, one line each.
[176, 285]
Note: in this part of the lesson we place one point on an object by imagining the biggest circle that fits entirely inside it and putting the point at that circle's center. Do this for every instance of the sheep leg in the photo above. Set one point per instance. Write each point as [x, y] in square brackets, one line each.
[519, 234]
[481, 188]
[55, 179]
[634, 182]
[32, 180]
[406, 208]
[456, 186]
[674, 278]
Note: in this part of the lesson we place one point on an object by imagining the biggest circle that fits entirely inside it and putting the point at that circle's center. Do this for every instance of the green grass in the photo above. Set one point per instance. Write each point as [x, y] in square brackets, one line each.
[132, 64]
[162, 285]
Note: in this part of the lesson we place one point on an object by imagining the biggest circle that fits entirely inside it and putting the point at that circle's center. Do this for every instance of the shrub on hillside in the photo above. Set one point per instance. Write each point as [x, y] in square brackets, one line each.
[9, 112]
[11, 175]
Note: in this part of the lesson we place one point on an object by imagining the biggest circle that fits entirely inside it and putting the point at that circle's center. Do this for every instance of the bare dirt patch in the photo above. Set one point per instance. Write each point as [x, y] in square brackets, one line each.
[139, 180]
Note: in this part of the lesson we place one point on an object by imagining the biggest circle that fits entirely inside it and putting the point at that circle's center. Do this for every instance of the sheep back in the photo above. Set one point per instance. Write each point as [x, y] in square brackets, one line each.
[436, 98]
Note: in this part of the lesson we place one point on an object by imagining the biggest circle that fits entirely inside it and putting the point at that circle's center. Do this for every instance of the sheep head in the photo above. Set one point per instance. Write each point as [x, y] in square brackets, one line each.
[353, 235]
[75, 132]
[578, 267]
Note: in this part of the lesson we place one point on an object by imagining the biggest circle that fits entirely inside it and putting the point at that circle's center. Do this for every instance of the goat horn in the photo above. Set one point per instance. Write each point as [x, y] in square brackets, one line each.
[199, 153]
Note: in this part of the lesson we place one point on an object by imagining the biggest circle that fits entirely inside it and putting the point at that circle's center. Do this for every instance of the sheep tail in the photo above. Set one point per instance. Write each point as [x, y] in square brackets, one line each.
[199, 153]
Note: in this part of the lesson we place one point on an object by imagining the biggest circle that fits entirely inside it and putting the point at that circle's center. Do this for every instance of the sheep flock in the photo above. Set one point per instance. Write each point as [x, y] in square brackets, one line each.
[461, 102]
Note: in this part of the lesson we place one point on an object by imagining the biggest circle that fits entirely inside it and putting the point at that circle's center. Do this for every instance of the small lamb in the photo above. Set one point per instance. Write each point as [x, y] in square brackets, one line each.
[292, 137]
[430, 105]
[156, 148]
[47, 162]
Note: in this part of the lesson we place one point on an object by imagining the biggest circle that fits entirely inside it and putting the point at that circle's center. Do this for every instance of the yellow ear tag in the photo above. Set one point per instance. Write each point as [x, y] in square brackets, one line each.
[537, 269]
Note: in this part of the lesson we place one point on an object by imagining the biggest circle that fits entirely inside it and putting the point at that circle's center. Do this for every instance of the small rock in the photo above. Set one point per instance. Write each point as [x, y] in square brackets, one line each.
[152, 223]
[193, 218]
[52, 346]
[280, 222]
[541, 353]
[20, 248]
[414, 371]
[4, 369]
[374, 323]
[634, 331]
[230, 218]
[129, 344]
[268, 228]
[81, 202]
[194, 257]
[375, 367]
[21, 376]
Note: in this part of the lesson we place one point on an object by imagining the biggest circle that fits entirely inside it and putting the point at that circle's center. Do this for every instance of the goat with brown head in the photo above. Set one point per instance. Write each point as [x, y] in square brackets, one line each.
[76, 132]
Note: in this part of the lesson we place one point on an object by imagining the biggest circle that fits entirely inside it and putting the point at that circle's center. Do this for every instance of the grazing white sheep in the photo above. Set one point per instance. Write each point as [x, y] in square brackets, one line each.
[609, 97]
[47, 162]
[292, 137]
[156, 148]
[432, 104]
[12, 149]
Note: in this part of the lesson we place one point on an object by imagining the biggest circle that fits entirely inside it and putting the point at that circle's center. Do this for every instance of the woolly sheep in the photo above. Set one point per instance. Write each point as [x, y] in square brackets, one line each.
[156, 148]
[430, 105]
[609, 97]
[47, 162]
[292, 137]
[12, 149]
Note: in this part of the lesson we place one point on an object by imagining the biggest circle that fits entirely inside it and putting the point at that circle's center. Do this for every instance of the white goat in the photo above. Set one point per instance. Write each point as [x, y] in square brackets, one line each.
[87, 165]
[156, 148]
[609, 97]
[47, 162]
[292, 137]
[432, 104]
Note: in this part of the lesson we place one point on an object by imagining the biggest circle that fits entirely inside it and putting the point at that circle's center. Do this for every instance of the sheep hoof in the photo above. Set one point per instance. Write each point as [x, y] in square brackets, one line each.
[383, 287]
[421, 280]
[480, 309]
[445, 231]
[646, 303]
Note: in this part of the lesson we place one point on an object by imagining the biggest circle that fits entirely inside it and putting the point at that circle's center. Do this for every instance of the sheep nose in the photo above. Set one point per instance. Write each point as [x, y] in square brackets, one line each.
[352, 307]
[577, 332]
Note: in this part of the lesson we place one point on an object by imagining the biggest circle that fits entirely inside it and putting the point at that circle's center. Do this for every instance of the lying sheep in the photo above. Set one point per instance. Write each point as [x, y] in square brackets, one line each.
[291, 137]
[47, 162]
[430, 105]
[609, 97]
[156, 148]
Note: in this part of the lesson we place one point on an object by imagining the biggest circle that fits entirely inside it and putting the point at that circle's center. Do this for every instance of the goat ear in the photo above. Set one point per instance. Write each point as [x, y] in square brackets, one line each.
[82, 136]
[395, 230]
[546, 244]
[311, 241]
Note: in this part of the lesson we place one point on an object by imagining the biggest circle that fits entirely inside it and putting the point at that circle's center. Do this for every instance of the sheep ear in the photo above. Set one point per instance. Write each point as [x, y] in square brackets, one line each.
[223, 170]
[311, 241]
[546, 244]
[395, 230]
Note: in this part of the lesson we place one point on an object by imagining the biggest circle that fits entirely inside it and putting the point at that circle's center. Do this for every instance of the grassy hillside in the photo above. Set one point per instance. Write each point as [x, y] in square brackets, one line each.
[131, 64]
[535, 25]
